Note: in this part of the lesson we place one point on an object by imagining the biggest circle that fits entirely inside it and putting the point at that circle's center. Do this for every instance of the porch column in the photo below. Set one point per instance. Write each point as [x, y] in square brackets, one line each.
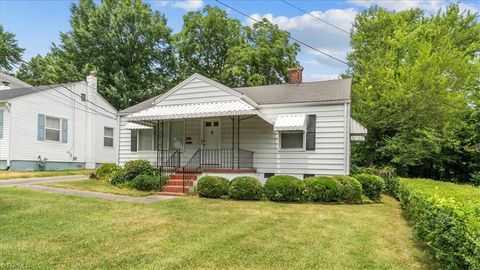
[235, 142]
[159, 142]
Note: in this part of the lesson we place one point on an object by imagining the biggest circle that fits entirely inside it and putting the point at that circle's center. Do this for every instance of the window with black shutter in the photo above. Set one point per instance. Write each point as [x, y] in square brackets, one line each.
[311, 131]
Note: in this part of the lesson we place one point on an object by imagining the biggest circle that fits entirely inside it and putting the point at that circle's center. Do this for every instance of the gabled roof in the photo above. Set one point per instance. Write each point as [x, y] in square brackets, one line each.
[12, 81]
[322, 91]
[18, 92]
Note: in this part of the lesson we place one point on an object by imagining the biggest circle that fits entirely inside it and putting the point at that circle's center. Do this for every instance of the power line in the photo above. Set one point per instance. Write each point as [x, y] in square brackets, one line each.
[73, 99]
[290, 37]
[316, 17]
[74, 92]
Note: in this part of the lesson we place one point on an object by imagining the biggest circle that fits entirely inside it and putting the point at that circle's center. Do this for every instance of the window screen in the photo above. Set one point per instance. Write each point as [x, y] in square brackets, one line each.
[108, 137]
[52, 129]
[291, 140]
[176, 135]
[311, 132]
[145, 140]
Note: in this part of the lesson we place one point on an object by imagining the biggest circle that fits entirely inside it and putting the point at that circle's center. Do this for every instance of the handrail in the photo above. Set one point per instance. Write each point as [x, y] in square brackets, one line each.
[191, 167]
[171, 164]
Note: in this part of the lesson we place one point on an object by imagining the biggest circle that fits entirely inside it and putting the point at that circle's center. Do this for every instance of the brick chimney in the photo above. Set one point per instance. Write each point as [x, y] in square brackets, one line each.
[295, 75]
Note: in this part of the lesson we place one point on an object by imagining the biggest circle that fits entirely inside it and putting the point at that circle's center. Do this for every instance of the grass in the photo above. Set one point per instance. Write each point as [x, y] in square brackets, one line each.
[5, 175]
[99, 186]
[53, 231]
[465, 194]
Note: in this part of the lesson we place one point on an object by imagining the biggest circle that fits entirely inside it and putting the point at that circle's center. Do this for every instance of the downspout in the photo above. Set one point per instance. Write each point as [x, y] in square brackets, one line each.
[118, 140]
[345, 142]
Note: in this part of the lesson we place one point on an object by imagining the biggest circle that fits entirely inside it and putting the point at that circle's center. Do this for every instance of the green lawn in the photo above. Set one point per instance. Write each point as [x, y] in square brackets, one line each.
[5, 175]
[99, 186]
[52, 231]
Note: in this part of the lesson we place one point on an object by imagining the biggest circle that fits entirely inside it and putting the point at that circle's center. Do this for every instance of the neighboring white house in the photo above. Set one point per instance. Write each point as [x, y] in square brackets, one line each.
[66, 126]
[299, 129]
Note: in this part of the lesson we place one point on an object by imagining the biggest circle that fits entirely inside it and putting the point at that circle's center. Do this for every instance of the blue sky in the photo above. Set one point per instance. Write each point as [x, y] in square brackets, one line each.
[37, 23]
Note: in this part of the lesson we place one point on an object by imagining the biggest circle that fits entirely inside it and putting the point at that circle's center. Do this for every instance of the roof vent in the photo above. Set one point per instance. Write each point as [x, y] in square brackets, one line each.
[295, 75]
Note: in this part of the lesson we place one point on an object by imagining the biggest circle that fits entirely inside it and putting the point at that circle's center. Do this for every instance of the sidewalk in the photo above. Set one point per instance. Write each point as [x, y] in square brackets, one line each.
[39, 180]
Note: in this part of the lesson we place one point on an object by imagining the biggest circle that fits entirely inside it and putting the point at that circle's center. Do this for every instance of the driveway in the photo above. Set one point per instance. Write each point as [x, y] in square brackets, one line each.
[39, 180]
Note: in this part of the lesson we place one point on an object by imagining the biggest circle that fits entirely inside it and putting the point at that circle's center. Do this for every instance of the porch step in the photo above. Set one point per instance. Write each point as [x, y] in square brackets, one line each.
[179, 182]
[179, 176]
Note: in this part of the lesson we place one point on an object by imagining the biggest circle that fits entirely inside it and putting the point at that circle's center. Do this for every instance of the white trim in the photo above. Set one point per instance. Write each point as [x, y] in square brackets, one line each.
[296, 104]
[202, 135]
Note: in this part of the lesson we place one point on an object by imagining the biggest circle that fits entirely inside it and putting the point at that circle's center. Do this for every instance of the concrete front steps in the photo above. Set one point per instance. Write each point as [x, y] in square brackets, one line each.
[174, 185]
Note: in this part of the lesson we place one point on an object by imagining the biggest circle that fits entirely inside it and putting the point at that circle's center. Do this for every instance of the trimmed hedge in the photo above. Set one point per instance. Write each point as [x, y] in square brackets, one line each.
[372, 185]
[352, 189]
[447, 217]
[323, 189]
[284, 188]
[105, 170]
[212, 186]
[245, 188]
[148, 182]
[133, 168]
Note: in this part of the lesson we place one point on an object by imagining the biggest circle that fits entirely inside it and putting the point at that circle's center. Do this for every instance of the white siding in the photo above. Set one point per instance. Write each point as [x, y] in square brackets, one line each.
[199, 92]
[330, 157]
[25, 110]
[4, 141]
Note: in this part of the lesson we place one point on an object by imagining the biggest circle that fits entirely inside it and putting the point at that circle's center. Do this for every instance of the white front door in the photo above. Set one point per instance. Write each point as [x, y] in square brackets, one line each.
[211, 134]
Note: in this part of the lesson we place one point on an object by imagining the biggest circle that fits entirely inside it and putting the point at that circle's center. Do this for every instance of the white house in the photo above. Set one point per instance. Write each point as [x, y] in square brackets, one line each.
[66, 126]
[203, 127]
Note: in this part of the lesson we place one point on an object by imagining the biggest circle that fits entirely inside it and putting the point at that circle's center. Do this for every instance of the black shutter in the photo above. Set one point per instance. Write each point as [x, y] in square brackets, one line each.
[133, 140]
[311, 131]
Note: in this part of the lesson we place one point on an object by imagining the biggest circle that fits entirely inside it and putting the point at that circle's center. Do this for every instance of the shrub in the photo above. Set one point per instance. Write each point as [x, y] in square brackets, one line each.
[117, 177]
[148, 182]
[372, 185]
[447, 217]
[104, 171]
[323, 189]
[284, 188]
[352, 189]
[212, 186]
[475, 178]
[133, 168]
[391, 185]
[245, 188]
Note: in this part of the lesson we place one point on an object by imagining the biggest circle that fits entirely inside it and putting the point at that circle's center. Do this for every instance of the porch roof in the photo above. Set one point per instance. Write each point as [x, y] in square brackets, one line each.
[194, 110]
[290, 122]
[136, 126]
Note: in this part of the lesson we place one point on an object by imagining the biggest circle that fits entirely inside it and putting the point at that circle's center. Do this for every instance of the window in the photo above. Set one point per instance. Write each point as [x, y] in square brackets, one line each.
[108, 136]
[311, 132]
[307, 175]
[52, 129]
[145, 140]
[176, 135]
[267, 175]
[291, 140]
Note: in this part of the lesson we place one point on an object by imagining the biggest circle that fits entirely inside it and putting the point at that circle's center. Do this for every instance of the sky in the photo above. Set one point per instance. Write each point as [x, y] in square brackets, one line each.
[38, 23]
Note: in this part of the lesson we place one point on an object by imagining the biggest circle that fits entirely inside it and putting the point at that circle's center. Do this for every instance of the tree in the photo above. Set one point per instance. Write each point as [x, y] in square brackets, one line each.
[217, 46]
[204, 41]
[10, 51]
[414, 82]
[125, 42]
[264, 58]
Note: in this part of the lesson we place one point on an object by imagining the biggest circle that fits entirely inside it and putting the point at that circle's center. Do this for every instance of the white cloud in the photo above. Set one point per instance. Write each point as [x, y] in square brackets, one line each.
[309, 77]
[188, 5]
[319, 35]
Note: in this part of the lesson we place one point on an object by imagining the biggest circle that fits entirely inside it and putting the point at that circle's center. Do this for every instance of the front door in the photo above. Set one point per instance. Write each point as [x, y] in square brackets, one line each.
[210, 143]
[211, 134]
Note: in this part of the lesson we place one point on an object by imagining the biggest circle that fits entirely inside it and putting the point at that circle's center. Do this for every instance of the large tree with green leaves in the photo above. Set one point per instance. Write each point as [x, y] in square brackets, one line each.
[415, 82]
[10, 51]
[219, 47]
[125, 42]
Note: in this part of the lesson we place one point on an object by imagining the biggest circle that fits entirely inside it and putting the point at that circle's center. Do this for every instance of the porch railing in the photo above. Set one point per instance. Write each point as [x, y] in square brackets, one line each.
[191, 168]
[171, 163]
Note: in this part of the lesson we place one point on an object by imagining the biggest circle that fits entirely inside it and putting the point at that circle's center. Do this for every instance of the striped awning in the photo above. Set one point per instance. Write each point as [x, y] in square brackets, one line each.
[290, 122]
[136, 126]
[194, 110]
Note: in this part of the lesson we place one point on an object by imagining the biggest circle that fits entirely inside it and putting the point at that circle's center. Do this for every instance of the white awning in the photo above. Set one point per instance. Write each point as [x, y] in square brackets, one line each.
[290, 122]
[195, 110]
[356, 128]
[136, 126]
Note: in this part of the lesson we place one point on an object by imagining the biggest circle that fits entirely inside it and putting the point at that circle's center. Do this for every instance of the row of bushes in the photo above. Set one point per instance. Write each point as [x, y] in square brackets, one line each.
[446, 216]
[286, 188]
[138, 174]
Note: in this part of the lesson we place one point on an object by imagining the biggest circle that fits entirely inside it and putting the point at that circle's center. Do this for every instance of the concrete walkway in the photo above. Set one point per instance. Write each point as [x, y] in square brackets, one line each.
[39, 180]
[29, 183]
[94, 194]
